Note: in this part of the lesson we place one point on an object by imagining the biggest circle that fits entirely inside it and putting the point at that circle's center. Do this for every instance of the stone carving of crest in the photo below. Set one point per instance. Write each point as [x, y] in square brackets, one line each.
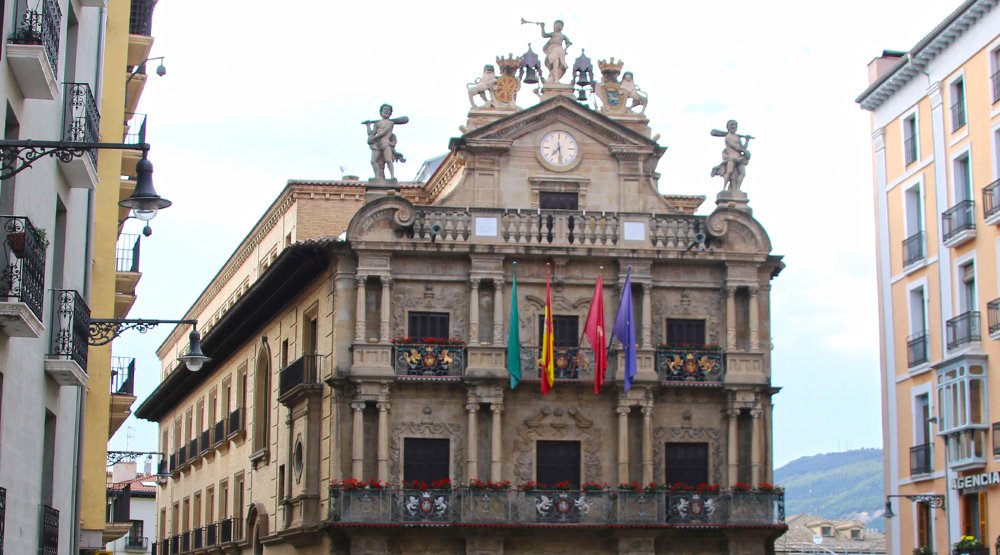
[609, 89]
[558, 423]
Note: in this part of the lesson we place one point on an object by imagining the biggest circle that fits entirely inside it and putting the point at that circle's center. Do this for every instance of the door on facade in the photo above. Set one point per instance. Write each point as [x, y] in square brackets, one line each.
[557, 461]
[686, 462]
[425, 459]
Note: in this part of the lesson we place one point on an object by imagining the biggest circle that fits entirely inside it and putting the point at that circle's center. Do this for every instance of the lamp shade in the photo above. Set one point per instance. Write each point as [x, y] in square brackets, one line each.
[194, 359]
[144, 200]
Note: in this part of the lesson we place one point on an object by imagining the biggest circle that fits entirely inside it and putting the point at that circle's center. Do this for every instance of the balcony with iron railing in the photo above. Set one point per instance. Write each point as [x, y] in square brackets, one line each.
[963, 329]
[204, 442]
[921, 459]
[33, 48]
[186, 542]
[226, 531]
[991, 203]
[22, 278]
[81, 124]
[211, 535]
[140, 29]
[957, 114]
[193, 451]
[235, 422]
[66, 362]
[428, 359]
[993, 316]
[48, 542]
[995, 79]
[679, 364]
[570, 508]
[910, 149]
[122, 390]
[300, 376]
[219, 432]
[916, 349]
[136, 543]
[913, 249]
[570, 364]
[198, 540]
[958, 223]
[135, 134]
[175, 544]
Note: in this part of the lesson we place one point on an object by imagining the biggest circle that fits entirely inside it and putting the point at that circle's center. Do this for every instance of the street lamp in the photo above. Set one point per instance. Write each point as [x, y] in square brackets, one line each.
[932, 501]
[105, 330]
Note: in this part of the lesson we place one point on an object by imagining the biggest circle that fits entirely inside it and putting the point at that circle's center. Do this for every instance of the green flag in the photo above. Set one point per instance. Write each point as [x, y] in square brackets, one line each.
[514, 337]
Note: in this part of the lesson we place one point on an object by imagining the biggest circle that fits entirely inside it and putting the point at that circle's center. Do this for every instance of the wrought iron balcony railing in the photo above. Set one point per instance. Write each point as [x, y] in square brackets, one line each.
[193, 448]
[182, 456]
[963, 329]
[211, 535]
[122, 376]
[81, 118]
[127, 252]
[571, 363]
[957, 219]
[48, 542]
[689, 365]
[198, 538]
[921, 461]
[305, 370]
[39, 24]
[991, 200]
[220, 431]
[916, 349]
[70, 327]
[910, 150]
[205, 442]
[175, 544]
[226, 530]
[993, 315]
[465, 506]
[913, 249]
[135, 128]
[236, 421]
[185, 541]
[995, 78]
[957, 114]
[136, 543]
[429, 359]
[23, 274]
[173, 462]
[141, 18]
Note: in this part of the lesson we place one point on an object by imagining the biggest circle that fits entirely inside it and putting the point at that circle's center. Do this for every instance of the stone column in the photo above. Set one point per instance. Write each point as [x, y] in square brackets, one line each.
[498, 312]
[473, 338]
[383, 328]
[496, 447]
[359, 316]
[383, 441]
[622, 443]
[647, 316]
[734, 463]
[358, 441]
[472, 442]
[730, 317]
[754, 318]
[755, 445]
[647, 445]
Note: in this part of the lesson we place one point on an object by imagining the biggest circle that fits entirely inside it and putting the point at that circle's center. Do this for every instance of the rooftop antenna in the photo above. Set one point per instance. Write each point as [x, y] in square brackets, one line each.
[342, 170]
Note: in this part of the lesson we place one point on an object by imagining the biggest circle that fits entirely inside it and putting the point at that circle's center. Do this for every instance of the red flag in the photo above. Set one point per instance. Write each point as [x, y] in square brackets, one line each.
[548, 362]
[594, 331]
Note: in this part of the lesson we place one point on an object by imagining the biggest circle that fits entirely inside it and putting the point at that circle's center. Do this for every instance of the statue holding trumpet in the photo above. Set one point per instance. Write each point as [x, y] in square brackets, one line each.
[382, 141]
[735, 157]
[554, 49]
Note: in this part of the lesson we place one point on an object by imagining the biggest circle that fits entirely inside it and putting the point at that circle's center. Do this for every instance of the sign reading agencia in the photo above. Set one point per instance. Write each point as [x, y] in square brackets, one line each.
[976, 480]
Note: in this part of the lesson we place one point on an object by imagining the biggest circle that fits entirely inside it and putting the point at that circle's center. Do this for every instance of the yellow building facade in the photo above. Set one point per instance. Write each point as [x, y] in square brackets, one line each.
[935, 114]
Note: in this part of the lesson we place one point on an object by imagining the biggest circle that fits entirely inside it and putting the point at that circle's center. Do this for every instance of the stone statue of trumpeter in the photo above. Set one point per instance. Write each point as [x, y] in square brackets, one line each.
[554, 49]
[382, 141]
[735, 157]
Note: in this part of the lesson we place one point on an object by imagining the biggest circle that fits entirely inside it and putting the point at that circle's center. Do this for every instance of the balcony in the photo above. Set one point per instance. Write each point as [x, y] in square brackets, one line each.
[995, 79]
[135, 133]
[226, 530]
[235, 422]
[182, 456]
[198, 538]
[991, 203]
[679, 364]
[916, 349]
[300, 377]
[81, 124]
[23, 277]
[429, 359]
[967, 449]
[192, 449]
[963, 329]
[126, 272]
[204, 442]
[220, 432]
[175, 544]
[136, 544]
[571, 364]
[122, 391]
[211, 535]
[140, 30]
[186, 542]
[910, 150]
[913, 249]
[67, 359]
[958, 223]
[48, 542]
[394, 507]
[921, 459]
[957, 115]
[33, 48]
[172, 462]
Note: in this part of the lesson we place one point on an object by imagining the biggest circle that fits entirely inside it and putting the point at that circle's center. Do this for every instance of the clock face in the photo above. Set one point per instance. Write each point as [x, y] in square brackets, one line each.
[559, 148]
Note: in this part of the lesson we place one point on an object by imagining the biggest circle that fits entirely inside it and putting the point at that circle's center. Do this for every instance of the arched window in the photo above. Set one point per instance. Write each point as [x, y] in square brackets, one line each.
[262, 400]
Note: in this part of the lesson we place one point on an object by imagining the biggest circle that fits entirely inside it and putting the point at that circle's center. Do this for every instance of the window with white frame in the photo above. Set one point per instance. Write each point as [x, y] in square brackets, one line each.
[916, 341]
[962, 396]
[995, 75]
[921, 459]
[913, 244]
[957, 90]
[911, 147]
[967, 287]
[962, 178]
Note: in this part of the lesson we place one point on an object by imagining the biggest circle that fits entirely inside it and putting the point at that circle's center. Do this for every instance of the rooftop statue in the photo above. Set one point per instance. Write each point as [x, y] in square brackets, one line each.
[633, 93]
[482, 85]
[735, 157]
[382, 141]
[555, 50]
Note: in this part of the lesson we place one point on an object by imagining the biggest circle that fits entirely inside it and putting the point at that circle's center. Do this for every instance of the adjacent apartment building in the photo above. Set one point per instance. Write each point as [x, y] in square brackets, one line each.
[360, 333]
[935, 114]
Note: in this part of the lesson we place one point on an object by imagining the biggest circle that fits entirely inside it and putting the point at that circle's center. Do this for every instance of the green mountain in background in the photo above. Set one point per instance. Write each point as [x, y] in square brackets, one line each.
[843, 485]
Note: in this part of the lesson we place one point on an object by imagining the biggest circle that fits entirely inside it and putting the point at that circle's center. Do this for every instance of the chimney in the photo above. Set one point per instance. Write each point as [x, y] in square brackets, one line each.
[880, 65]
[123, 472]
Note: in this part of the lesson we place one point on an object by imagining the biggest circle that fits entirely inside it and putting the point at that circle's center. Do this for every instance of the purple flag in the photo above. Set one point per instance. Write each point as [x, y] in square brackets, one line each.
[624, 330]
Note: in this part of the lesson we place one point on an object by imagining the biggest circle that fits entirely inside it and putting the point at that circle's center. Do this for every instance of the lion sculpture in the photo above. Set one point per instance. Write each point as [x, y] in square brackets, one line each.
[482, 85]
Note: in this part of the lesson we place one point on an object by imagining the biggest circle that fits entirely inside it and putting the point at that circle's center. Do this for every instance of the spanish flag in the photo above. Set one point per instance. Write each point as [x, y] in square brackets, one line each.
[547, 362]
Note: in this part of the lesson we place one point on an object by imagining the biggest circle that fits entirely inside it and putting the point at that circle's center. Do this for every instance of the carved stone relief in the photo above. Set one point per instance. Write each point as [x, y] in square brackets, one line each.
[712, 436]
[687, 303]
[450, 298]
[534, 307]
[558, 423]
[452, 431]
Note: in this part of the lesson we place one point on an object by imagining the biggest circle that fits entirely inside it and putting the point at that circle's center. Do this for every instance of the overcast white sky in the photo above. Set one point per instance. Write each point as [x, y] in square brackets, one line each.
[258, 93]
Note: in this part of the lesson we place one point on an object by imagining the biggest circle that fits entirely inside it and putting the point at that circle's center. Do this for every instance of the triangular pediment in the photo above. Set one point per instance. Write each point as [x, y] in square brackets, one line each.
[559, 108]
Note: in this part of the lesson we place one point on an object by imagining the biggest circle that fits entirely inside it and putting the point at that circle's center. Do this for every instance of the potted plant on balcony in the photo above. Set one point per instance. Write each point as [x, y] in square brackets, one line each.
[923, 550]
[969, 545]
[16, 240]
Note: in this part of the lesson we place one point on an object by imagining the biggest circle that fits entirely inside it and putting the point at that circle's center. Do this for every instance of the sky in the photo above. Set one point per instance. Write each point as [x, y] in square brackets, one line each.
[259, 93]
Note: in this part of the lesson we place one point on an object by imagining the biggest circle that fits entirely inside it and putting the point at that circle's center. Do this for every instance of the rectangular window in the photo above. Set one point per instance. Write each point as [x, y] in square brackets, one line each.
[565, 330]
[995, 77]
[967, 287]
[223, 500]
[428, 325]
[974, 516]
[557, 461]
[425, 459]
[916, 341]
[910, 147]
[925, 525]
[686, 462]
[196, 511]
[209, 505]
[238, 505]
[957, 90]
[558, 201]
[962, 178]
[284, 353]
[185, 515]
[685, 332]
[913, 244]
